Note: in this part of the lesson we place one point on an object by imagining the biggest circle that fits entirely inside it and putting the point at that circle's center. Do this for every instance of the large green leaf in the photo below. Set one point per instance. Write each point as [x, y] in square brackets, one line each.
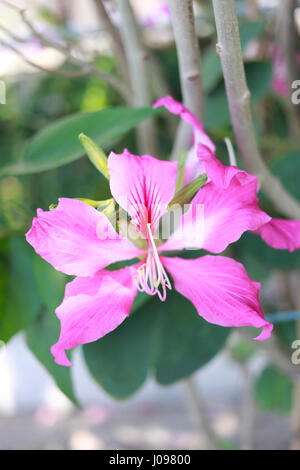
[186, 341]
[168, 338]
[273, 391]
[58, 143]
[120, 361]
[22, 300]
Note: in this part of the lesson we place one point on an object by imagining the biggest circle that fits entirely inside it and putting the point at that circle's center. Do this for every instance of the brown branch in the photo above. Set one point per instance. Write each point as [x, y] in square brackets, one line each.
[85, 67]
[230, 51]
[183, 22]
[115, 37]
[138, 61]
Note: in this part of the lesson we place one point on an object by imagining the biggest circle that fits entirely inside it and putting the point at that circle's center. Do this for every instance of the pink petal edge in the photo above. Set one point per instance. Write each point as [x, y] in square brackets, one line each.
[221, 291]
[93, 307]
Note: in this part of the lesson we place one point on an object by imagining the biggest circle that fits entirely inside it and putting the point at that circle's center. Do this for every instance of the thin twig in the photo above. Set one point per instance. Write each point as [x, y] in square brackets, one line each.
[230, 52]
[58, 72]
[115, 38]
[86, 68]
[84, 71]
[138, 61]
[183, 22]
[198, 411]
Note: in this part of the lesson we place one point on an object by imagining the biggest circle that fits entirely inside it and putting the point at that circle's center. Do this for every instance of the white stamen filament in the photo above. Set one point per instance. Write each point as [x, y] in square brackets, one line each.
[231, 153]
[152, 275]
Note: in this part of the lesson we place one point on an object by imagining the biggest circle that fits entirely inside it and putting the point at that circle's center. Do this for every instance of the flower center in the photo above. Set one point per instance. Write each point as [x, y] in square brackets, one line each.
[152, 277]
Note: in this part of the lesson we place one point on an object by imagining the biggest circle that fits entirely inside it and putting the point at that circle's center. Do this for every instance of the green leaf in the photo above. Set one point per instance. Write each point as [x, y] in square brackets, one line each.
[212, 70]
[287, 333]
[58, 143]
[167, 337]
[250, 30]
[258, 87]
[216, 109]
[50, 283]
[40, 337]
[96, 155]
[253, 246]
[216, 106]
[273, 391]
[187, 342]
[287, 169]
[22, 303]
[120, 361]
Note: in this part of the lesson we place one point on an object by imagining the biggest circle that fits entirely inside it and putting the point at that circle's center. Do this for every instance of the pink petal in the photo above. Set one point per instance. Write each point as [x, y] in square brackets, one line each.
[143, 186]
[281, 234]
[200, 138]
[221, 291]
[93, 307]
[77, 239]
[175, 107]
[220, 213]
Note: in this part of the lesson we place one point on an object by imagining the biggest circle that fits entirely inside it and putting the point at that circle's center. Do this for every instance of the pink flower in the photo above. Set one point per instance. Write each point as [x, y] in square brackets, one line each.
[235, 186]
[280, 79]
[156, 14]
[78, 240]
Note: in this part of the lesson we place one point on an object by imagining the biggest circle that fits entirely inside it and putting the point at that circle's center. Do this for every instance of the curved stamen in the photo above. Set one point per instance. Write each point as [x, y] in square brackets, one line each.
[151, 276]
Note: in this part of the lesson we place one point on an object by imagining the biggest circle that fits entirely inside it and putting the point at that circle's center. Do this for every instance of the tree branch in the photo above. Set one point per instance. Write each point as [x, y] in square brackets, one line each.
[85, 70]
[230, 52]
[85, 67]
[138, 58]
[183, 22]
[115, 37]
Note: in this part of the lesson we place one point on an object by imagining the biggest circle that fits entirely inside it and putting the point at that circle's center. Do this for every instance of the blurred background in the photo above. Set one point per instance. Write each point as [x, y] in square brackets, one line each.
[242, 395]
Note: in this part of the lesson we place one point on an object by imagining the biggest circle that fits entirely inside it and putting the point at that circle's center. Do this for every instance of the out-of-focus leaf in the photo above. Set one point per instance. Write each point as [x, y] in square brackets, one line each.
[216, 106]
[186, 341]
[22, 302]
[253, 246]
[273, 391]
[168, 338]
[287, 333]
[211, 66]
[40, 337]
[120, 361]
[250, 30]
[256, 270]
[287, 169]
[50, 283]
[58, 143]
[216, 109]
[259, 74]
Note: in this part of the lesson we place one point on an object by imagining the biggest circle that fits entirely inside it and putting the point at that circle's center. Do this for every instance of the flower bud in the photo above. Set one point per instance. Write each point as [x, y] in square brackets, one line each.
[95, 154]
